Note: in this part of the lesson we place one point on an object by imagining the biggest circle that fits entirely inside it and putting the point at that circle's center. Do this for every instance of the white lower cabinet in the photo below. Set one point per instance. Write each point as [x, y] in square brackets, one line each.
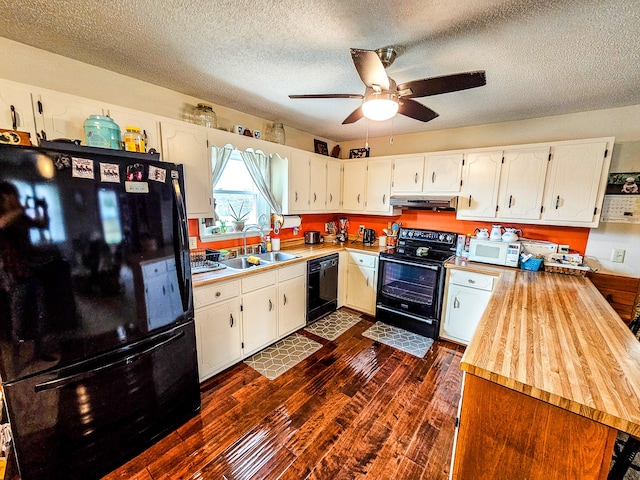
[362, 274]
[467, 295]
[218, 327]
[238, 318]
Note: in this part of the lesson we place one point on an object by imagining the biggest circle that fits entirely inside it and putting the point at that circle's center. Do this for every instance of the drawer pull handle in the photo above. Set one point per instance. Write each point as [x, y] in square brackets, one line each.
[367, 281]
[231, 320]
[296, 196]
[384, 198]
[314, 197]
[330, 197]
[472, 281]
[358, 198]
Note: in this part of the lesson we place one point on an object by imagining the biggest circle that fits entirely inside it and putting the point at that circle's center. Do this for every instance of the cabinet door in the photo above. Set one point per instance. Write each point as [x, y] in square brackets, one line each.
[218, 337]
[442, 173]
[334, 185]
[378, 188]
[291, 306]
[361, 282]
[522, 183]
[355, 178]
[148, 124]
[187, 144]
[259, 319]
[16, 112]
[464, 307]
[480, 177]
[299, 178]
[63, 116]
[575, 174]
[318, 184]
[407, 175]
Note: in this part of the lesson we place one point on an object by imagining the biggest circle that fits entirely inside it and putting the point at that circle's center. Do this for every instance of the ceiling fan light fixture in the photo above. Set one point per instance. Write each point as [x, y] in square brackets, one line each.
[380, 106]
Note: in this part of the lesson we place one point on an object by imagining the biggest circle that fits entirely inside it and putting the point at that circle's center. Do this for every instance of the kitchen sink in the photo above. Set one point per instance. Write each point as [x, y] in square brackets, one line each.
[241, 263]
[274, 257]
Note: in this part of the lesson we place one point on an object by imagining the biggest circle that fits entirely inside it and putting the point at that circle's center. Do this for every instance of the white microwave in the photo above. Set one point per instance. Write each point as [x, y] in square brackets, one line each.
[497, 253]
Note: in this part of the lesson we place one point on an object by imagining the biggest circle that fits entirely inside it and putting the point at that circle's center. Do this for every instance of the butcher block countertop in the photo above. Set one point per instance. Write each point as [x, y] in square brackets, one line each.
[305, 252]
[555, 338]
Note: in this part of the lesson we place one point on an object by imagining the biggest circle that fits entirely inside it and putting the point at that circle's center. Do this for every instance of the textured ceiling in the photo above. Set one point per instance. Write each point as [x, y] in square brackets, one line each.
[541, 57]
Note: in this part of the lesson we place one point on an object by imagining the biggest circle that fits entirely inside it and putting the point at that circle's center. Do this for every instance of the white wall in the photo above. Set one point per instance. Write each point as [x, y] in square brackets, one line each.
[32, 66]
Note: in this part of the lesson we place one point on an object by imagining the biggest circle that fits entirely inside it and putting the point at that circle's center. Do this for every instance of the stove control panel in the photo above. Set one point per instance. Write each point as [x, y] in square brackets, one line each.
[427, 236]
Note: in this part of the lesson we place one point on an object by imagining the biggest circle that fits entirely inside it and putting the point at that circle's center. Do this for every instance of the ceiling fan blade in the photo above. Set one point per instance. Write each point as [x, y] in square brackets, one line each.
[370, 68]
[354, 117]
[444, 84]
[416, 110]
[329, 95]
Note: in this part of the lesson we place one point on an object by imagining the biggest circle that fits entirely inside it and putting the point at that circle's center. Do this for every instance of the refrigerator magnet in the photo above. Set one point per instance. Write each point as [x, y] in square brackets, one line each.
[157, 174]
[109, 172]
[82, 168]
[135, 172]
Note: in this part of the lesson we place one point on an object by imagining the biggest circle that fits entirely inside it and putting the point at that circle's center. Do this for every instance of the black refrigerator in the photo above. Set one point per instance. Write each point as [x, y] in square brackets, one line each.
[97, 339]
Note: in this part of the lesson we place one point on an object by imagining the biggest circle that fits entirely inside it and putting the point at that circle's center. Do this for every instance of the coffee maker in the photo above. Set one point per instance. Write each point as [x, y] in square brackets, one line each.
[343, 227]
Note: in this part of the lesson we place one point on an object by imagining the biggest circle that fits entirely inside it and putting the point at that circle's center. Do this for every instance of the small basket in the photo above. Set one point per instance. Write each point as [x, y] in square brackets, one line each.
[578, 271]
[532, 264]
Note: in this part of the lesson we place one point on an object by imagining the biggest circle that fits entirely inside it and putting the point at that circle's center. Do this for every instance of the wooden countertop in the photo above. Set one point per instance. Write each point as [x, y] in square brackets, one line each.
[305, 252]
[555, 338]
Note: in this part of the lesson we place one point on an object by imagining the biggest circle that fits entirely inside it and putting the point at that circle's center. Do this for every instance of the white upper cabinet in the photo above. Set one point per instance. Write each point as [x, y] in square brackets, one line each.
[187, 144]
[407, 175]
[16, 112]
[318, 183]
[355, 181]
[299, 177]
[378, 188]
[334, 185]
[442, 173]
[480, 177]
[576, 182]
[62, 116]
[522, 183]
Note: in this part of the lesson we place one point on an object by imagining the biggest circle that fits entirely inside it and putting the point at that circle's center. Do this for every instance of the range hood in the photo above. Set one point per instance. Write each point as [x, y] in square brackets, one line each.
[426, 202]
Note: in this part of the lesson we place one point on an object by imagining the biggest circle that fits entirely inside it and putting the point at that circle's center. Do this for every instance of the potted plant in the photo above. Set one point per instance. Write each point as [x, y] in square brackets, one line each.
[238, 218]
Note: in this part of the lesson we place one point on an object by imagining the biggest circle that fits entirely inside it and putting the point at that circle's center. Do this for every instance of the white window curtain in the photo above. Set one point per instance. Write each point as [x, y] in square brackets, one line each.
[259, 167]
[220, 160]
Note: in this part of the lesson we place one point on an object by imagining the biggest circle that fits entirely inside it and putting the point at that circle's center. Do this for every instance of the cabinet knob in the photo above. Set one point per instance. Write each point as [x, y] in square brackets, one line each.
[218, 294]
[471, 281]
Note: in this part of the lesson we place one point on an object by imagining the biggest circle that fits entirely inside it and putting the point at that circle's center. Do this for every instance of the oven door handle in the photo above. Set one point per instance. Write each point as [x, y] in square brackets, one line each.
[414, 264]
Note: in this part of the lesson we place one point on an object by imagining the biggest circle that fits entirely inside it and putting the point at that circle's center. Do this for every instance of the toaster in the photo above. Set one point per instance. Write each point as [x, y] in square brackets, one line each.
[312, 237]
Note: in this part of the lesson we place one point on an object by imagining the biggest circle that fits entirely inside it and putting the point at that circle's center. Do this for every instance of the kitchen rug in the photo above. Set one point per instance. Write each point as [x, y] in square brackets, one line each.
[273, 361]
[333, 325]
[395, 337]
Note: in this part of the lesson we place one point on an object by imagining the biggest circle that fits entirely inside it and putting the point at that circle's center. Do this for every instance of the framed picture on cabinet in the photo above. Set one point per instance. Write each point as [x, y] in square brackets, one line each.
[359, 152]
[321, 147]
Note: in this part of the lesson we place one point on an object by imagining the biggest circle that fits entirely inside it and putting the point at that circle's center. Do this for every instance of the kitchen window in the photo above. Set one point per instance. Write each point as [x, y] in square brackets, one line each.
[237, 202]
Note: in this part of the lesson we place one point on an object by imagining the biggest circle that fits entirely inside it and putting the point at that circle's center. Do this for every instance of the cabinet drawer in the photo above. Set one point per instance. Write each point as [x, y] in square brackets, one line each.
[258, 280]
[362, 259]
[210, 294]
[472, 279]
[292, 271]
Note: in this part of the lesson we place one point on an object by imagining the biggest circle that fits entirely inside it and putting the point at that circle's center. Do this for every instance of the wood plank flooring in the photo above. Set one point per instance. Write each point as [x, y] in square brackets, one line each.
[354, 409]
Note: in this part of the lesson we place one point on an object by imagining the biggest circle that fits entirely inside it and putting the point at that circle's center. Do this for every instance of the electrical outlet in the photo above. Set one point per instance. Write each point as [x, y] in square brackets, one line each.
[361, 230]
[563, 248]
[193, 243]
[617, 255]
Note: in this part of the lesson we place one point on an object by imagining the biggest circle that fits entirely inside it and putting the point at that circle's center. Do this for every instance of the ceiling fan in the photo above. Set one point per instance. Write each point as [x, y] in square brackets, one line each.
[383, 99]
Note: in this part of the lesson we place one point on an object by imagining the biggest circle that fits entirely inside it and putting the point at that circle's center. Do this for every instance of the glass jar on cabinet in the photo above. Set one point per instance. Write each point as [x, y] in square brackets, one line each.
[204, 115]
[278, 133]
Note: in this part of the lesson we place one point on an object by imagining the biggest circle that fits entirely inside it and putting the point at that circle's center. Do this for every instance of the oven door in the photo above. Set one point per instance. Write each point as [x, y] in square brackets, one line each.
[411, 287]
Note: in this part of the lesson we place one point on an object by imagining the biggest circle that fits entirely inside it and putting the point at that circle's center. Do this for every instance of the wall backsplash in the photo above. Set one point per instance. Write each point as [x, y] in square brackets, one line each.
[576, 237]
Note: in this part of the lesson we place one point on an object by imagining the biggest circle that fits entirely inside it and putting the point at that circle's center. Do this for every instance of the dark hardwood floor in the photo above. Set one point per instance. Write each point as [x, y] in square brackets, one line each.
[354, 409]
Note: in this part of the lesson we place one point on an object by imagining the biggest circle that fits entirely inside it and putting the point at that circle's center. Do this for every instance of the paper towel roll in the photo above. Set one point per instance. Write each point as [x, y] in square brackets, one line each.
[291, 221]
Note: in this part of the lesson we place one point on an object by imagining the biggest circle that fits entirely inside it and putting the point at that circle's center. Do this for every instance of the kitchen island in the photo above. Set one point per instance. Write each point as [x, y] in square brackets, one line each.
[551, 375]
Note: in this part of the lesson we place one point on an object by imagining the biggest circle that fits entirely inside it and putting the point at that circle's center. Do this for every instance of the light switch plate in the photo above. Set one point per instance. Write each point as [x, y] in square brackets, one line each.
[193, 243]
[361, 230]
[617, 255]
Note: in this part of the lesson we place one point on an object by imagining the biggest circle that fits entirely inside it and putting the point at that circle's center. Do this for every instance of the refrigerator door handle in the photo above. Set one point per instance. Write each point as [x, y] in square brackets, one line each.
[69, 379]
[183, 229]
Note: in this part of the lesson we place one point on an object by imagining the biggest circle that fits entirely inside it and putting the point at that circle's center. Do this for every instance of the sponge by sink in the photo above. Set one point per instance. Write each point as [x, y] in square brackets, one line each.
[253, 260]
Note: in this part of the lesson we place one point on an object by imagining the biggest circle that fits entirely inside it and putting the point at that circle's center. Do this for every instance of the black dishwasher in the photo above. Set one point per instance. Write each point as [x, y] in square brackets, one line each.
[322, 287]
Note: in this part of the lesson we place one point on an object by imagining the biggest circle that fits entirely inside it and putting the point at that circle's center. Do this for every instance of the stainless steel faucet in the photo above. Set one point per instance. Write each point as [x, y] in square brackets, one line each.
[244, 235]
